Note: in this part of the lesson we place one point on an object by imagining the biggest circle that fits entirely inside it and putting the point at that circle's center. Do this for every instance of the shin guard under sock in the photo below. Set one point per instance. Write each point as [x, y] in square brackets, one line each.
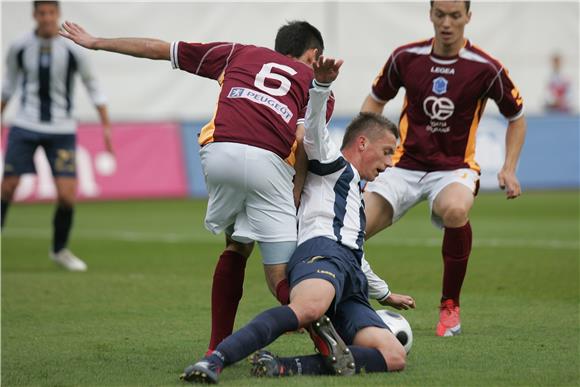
[260, 332]
[456, 250]
[226, 293]
[62, 223]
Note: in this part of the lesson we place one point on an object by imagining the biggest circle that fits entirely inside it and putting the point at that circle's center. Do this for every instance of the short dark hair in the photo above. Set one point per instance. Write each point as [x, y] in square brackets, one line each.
[296, 37]
[37, 3]
[467, 4]
[370, 124]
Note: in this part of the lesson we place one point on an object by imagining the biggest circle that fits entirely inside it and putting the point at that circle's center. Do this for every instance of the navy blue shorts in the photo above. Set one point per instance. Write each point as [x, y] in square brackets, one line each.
[60, 151]
[326, 259]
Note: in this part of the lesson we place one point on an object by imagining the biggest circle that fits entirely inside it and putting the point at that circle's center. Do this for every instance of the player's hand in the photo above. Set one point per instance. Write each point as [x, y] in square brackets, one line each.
[509, 182]
[326, 69]
[78, 35]
[399, 301]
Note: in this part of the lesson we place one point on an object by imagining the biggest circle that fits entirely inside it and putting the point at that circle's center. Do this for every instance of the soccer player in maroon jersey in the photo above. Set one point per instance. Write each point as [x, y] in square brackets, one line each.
[247, 148]
[447, 81]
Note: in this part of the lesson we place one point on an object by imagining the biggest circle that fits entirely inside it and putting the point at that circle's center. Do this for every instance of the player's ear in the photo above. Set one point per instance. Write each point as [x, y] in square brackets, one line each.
[468, 17]
[310, 56]
[313, 55]
[362, 143]
[316, 53]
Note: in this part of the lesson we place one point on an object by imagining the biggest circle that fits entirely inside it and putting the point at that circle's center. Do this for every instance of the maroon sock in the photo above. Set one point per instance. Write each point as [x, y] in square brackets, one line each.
[456, 250]
[283, 292]
[226, 292]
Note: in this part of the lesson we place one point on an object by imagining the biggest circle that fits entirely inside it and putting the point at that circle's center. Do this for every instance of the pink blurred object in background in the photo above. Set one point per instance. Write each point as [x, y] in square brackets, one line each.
[148, 163]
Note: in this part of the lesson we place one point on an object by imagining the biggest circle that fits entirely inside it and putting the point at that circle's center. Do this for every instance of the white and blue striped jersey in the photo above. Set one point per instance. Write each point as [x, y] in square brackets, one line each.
[45, 70]
[332, 204]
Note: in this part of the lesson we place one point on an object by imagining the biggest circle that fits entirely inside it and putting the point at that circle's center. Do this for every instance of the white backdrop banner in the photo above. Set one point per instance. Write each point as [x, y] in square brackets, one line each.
[520, 34]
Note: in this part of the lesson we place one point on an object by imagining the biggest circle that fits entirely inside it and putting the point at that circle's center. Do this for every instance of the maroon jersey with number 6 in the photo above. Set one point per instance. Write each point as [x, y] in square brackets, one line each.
[444, 102]
[263, 95]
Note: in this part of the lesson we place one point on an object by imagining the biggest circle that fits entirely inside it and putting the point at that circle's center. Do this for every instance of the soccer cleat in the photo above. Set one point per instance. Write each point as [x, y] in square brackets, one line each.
[332, 348]
[68, 260]
[204, 371]
[266, 364]
[449, 323]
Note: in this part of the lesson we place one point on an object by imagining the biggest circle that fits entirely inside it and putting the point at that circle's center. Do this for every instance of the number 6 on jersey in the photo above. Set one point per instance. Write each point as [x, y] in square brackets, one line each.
[266, 72]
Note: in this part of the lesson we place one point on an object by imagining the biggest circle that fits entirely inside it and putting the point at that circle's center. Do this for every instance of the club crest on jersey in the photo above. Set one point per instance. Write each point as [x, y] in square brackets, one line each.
[440, 85]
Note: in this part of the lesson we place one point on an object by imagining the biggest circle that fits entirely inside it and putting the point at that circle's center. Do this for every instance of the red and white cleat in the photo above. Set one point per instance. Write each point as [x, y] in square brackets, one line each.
[449, 322]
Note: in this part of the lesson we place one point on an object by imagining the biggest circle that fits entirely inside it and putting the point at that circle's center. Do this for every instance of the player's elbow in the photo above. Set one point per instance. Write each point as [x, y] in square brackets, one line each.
[519, 124]
[158, 50]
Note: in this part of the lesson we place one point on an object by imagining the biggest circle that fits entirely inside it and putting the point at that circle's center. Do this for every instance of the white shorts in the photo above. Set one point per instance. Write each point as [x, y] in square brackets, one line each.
[404, 188]
[250, 193]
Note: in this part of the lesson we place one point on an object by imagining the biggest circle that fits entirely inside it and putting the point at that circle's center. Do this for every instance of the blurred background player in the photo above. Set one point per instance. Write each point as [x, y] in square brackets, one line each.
[247, 150]
[559, 89]
[447, 81]
[45, 65]
[325, 270]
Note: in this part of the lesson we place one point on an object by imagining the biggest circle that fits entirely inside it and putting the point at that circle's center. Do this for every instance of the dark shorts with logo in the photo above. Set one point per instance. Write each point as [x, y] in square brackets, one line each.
[22, 143]
[326, 259]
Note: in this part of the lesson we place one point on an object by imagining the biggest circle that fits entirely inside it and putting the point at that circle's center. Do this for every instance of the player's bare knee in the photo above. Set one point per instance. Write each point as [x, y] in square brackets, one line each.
[396, 361]
[7, 194]
[244, 249]
[274, 275]
[393, 353]
[65, 201]
[9, 185]
[455, 216]
[307, 312]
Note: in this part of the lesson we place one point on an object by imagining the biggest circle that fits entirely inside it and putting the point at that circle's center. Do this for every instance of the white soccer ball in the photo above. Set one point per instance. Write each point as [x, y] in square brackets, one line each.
[105, 163]
[399, 326]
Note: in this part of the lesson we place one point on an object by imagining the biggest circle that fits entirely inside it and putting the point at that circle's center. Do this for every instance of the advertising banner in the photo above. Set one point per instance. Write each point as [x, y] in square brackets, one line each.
[148, 163]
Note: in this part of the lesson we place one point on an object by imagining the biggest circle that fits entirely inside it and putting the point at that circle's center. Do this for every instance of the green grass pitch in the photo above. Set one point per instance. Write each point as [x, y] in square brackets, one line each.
[141, 313]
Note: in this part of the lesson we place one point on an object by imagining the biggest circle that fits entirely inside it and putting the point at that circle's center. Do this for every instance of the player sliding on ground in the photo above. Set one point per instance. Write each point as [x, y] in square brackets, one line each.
[325, 270]
[254, 130]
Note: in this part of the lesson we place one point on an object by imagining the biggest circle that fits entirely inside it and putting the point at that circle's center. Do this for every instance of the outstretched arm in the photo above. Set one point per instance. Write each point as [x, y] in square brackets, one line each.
[139, 47]
[379, 290]
[317, 142]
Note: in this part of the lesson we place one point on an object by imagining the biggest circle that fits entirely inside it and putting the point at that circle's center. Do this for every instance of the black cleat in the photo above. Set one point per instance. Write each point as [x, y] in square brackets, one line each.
[266, 364]
[203, 371]
[332, 348]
